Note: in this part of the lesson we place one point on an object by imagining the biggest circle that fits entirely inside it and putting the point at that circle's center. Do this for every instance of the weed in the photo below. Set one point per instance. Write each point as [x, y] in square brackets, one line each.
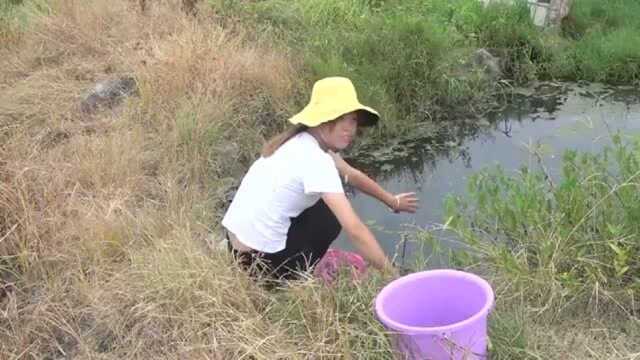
[573, 239]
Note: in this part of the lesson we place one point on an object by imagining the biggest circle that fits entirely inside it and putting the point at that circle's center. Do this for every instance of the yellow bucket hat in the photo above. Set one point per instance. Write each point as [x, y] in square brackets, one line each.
[331, 98]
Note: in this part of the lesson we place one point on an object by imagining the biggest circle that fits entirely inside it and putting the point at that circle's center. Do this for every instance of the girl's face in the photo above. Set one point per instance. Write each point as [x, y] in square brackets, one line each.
[340, 133]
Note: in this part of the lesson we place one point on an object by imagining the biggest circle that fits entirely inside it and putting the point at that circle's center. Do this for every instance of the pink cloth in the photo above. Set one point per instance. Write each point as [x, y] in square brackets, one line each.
[329, 266]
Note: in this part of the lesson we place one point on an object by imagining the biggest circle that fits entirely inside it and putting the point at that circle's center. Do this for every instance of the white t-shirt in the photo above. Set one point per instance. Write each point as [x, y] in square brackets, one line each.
[278, 188]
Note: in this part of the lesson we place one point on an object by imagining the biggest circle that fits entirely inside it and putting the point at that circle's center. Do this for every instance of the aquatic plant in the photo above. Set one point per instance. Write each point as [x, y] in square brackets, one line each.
[563, 240]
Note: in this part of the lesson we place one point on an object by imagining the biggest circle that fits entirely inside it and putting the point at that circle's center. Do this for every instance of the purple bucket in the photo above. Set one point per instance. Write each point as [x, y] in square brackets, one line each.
[437, 315]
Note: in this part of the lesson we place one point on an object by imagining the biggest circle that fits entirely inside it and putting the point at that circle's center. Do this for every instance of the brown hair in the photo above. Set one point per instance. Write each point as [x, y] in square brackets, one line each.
[275, 142]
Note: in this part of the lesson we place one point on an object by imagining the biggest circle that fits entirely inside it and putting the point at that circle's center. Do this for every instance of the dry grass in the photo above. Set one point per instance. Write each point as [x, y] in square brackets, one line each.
[104, 219]
[591, 340]
[520, 330]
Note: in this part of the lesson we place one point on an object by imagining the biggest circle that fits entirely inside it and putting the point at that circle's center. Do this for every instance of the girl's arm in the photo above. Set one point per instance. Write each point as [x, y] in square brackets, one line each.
[360, 236]
[407, 202]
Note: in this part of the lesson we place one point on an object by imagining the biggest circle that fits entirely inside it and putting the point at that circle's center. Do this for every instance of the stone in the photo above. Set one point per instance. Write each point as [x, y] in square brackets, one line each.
[484, 60]
[109, 93]
[544, 13]
[539, 13]
[190, 7]
[559, 10]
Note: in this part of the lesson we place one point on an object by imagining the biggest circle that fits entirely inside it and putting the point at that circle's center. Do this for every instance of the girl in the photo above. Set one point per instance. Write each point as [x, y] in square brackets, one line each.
[291, 204]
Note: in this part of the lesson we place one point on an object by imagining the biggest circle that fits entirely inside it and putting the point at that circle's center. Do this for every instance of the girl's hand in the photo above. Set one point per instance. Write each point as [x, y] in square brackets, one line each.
[405, 202]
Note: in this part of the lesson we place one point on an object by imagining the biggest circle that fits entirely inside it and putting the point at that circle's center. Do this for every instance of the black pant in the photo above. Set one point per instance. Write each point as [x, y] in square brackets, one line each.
[308, 239]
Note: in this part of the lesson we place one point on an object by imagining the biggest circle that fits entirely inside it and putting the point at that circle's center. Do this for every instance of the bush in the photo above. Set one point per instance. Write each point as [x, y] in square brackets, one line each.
[570, 238]
[607, 40]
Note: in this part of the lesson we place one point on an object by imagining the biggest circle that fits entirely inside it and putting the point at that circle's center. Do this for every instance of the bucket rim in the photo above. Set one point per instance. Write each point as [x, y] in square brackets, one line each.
[382, 295]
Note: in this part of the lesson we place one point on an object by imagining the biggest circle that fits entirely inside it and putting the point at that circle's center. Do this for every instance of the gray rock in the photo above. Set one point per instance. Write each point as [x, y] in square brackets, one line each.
[559, 10]
[544, 13]
[109, 93]
[490, 64]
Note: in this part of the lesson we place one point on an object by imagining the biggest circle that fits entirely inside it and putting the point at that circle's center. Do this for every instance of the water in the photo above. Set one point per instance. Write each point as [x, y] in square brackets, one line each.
[547, 120]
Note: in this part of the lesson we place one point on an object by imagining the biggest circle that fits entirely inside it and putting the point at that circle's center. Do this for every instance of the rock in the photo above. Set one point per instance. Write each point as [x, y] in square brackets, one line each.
[544, 13]
[558, 11]
[109, 93]
[190, 7]
[484, 123]
[490, 64]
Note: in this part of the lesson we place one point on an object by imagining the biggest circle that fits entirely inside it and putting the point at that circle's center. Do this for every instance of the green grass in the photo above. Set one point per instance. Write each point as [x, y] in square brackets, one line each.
[596, 16]
[602, 43]
[7, 13]
[410, 59]
[14, 17]
[403, 56]
[573, 240]
[562, 254]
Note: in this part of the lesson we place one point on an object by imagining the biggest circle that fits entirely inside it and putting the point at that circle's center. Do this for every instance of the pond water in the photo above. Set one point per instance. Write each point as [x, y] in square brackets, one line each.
[550, 117]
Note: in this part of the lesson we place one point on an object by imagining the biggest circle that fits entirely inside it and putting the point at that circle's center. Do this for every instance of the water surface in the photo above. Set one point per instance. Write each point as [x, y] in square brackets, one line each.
[549, 118]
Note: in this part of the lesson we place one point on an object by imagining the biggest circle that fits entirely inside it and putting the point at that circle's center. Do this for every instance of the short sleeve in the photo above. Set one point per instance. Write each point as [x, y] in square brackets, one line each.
[320, 175]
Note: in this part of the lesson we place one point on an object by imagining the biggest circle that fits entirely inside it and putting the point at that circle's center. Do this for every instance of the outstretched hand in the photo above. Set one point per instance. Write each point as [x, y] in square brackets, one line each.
[405, 202]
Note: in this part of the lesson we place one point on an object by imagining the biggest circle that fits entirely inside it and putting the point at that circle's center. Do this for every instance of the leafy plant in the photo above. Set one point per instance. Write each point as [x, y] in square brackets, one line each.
[580, 234]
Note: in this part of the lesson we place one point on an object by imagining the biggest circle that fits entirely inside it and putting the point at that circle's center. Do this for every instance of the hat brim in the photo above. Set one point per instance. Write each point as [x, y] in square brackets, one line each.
[367, 117]
[312, 117]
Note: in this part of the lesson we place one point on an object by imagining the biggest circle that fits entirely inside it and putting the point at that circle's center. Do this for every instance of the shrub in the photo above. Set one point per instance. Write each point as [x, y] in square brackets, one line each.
[577, 235]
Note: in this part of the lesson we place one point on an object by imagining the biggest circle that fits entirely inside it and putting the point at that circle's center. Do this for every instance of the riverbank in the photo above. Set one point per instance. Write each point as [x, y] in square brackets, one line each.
[425, 62]
[108, 220]
[415, 59]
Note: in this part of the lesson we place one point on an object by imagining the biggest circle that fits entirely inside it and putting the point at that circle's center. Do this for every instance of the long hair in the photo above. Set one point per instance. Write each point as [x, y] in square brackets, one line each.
[275, 142]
